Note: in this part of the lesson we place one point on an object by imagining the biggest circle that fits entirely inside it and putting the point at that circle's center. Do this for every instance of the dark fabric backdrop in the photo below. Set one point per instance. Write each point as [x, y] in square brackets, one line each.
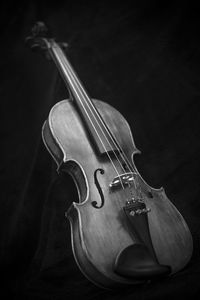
[144, 60]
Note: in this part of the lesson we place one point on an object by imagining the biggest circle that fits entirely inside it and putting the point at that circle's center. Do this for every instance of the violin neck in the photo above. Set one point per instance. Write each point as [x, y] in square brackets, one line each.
[100, 134]
[68, 74]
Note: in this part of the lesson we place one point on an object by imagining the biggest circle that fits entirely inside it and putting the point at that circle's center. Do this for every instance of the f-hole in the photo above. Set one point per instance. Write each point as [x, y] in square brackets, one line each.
[94, 203]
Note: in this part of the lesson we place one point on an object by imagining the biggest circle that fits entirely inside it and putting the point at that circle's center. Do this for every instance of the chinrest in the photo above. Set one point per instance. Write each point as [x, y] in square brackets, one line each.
[136, 261]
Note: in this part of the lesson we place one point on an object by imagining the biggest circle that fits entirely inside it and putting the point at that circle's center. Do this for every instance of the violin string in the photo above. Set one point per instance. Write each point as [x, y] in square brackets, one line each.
[114, 140]
[123, 155]
[59, 59]
[125, 159]
[92, 113]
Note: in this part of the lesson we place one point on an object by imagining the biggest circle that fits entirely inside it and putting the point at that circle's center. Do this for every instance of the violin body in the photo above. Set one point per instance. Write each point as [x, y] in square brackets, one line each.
[100, 230]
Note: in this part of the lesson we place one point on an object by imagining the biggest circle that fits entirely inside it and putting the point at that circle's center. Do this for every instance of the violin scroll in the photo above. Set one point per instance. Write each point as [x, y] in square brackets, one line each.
[40, 39]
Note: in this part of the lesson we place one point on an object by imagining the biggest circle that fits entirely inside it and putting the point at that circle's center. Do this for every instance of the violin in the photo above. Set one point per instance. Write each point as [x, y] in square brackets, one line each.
[123, 231]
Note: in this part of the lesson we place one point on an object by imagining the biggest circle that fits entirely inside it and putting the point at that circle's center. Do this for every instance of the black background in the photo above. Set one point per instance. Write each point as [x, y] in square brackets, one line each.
[140, 57]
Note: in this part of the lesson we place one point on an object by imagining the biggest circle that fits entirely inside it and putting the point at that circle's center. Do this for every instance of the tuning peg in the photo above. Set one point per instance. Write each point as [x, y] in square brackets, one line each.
[28, 40]
[63, 45]
[39, 29]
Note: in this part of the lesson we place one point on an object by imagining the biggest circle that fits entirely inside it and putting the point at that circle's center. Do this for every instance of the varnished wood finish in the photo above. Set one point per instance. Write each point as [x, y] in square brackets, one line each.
[99, 234]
